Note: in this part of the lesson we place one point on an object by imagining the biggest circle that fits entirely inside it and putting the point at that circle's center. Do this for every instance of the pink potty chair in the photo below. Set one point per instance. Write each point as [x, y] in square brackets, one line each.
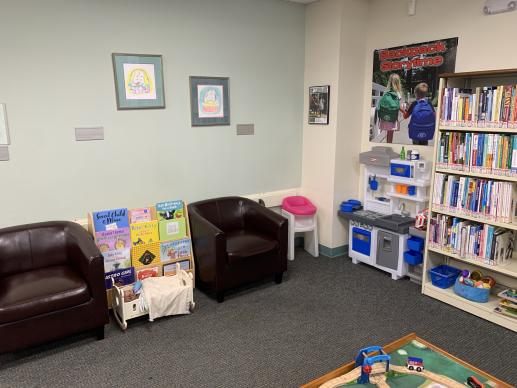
[301, 214]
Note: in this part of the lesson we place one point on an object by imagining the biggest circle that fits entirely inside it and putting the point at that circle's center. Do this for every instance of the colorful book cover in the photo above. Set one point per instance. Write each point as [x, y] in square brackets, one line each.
[172, 229]
[144, 233]
[147, 272]
[184, 265]
[111, 240]
[169, 210]
[169, 269]
[114, 260]
[120, 277]
[140, 215]
[110, 219]
[145, 254]
[174, 250]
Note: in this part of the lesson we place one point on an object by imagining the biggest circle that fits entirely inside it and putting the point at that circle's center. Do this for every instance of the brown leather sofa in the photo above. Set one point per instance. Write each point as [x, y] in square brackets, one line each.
[51, 284]
[236, 241]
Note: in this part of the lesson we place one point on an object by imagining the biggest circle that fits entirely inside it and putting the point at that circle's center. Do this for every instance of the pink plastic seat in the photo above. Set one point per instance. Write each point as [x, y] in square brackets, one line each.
[298, 205]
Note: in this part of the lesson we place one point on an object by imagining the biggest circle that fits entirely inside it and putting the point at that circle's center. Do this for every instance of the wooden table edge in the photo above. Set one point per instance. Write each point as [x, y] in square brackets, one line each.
[392, 346]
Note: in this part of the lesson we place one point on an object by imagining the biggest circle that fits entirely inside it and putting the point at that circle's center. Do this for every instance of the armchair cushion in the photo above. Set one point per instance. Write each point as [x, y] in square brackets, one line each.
[241, 244]
[44, 290]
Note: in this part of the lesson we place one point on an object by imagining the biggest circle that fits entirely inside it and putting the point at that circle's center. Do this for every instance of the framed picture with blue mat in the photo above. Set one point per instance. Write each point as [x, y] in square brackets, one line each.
[209, 101]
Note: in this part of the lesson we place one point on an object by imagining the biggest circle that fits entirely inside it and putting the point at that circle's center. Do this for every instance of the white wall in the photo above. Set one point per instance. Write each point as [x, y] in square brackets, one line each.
[322, 48]
[57, 74]
[483, 40]
[333, 39]
[351, 74]
[331, 154]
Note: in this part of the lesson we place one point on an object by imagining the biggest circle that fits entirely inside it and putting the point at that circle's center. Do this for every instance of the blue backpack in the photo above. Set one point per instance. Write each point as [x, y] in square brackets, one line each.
[422, 123]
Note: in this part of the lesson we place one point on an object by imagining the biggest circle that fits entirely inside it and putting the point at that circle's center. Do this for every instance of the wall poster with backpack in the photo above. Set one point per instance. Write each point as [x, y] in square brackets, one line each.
[405, 90]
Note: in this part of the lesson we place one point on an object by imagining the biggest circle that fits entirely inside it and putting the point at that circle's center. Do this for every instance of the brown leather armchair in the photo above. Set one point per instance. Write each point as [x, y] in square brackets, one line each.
[236, 241]
[51, 284]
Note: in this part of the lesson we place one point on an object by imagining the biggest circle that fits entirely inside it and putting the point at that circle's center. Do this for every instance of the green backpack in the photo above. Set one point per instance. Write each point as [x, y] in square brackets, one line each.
[389, 105]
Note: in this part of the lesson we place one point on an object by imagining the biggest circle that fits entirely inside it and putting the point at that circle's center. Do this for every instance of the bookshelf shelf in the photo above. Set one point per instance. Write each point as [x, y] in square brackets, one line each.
[477, 129]
[509, 269]
[477, 175]
[482, 310]
[476, 219]
[483, 83]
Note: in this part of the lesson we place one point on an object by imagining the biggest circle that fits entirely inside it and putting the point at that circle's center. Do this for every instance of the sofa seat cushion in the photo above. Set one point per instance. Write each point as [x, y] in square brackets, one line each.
[44, 290]
[242, 244]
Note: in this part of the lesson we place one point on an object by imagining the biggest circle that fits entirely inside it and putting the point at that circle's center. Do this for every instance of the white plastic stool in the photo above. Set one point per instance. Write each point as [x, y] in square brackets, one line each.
[306, 224]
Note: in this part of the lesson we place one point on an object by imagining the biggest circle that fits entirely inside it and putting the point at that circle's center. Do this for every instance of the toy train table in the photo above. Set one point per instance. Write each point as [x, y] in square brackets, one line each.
[406, 363]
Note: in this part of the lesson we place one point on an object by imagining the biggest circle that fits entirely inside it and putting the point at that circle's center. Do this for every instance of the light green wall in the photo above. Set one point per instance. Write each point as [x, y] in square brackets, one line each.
[56, 74]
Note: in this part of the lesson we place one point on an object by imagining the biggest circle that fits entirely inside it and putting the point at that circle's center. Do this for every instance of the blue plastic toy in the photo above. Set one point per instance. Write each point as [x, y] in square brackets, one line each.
[350, 206]
[366, 362]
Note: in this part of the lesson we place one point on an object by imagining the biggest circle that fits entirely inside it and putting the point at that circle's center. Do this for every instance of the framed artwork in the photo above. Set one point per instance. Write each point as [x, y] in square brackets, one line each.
[209, 101]
[4, 128]
[138, 81]
[319, 104]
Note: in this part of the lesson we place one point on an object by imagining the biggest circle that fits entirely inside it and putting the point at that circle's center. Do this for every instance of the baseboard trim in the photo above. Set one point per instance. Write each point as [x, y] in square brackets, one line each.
[333, 252]
[324, 250]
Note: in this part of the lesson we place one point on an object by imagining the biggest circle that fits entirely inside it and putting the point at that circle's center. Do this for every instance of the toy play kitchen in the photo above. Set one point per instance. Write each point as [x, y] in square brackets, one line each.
[394, 190]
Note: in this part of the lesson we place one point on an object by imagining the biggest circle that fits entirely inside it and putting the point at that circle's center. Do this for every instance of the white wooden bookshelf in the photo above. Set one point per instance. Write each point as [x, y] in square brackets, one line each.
[475, 218]
[461, 128]
[494, 177]
[482, 310]
[506, 274]
[509, 268]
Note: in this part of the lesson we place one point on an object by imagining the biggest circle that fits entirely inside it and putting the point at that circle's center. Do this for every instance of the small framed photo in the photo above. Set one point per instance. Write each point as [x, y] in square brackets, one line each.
[4, 127]
[319, 104]
[209, 101]
[138, 81]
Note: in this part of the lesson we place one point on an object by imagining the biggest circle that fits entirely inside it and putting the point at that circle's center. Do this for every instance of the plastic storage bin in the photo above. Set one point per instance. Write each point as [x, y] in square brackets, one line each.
[480, 295]
[444, 276]
[413, 258]
[415, 243]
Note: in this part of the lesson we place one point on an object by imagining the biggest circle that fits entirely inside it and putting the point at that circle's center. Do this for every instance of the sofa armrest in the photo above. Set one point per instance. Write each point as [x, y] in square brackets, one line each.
[85, 256]
[209, 245]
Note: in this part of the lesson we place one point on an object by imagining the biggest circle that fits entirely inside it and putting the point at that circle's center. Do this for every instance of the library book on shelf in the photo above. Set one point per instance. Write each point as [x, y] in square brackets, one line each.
[473, 198]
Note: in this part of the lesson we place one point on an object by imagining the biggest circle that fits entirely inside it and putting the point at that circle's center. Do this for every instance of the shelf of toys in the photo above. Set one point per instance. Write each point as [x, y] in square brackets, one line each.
[143, 242]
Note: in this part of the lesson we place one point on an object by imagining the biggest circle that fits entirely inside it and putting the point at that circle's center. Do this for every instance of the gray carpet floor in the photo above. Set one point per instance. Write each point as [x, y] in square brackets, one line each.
[267, 336]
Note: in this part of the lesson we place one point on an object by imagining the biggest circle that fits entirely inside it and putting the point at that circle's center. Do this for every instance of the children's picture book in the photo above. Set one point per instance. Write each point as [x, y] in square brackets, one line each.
[509, 294]
[174, 250]
[145, 254]
[144, 233]
[110, 240]
[169, 210]
[110, 219]
[147, 272]
[184, 265]
[172, 229]
[115, 260]
[120, 277]
[170, 269]
[140, 215]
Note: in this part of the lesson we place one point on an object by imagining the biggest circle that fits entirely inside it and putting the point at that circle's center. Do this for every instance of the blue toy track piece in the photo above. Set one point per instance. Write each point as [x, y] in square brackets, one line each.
[363, 360]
